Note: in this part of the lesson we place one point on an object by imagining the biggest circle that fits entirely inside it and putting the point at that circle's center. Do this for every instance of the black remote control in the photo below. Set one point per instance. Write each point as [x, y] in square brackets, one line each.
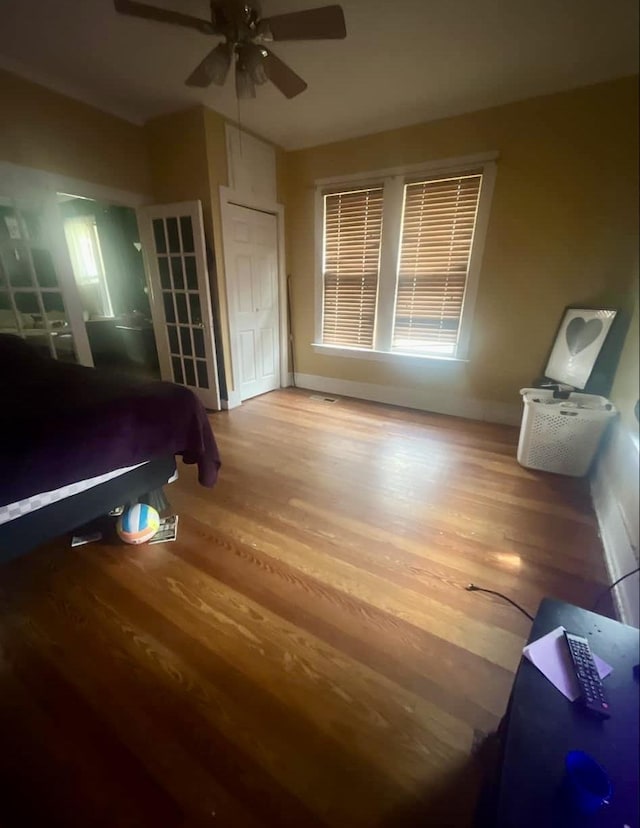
[592, 695]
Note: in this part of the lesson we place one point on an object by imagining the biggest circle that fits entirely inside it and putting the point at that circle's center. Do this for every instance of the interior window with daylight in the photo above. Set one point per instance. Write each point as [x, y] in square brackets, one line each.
[88, 267]
[438, 223]
[352, 234]
[403, 295]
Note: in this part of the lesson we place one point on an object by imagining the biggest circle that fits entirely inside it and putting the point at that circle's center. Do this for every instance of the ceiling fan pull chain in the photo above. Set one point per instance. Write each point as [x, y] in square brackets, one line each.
[239, 126]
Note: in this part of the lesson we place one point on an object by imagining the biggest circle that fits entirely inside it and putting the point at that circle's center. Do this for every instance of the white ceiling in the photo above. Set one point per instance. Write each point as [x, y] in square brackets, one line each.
[403, 62]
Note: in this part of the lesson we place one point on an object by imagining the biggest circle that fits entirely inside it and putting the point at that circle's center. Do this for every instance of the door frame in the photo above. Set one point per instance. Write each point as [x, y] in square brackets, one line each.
[76, 186]
[234, 198]
[21, 178]
[28, 183]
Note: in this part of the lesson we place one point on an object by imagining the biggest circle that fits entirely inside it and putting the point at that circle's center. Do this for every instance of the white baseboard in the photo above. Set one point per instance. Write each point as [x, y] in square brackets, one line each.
[614, 489]
[233, 400]
[419, 398]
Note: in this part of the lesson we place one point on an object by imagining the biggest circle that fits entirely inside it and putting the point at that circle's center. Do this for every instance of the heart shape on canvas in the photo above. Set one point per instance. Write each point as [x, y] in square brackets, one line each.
[580, 334]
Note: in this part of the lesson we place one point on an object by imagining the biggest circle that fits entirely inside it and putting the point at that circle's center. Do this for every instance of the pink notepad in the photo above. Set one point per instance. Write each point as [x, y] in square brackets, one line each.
[550, 655]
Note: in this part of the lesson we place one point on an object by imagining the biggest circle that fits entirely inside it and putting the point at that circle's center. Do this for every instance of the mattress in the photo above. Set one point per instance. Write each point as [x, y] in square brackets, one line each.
[61, 422]
[30, 504]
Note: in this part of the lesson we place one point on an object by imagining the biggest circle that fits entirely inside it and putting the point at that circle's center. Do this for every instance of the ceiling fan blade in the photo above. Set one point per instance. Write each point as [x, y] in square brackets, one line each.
[132, 7]
[214, 68]
[326, 23]
[281, 75]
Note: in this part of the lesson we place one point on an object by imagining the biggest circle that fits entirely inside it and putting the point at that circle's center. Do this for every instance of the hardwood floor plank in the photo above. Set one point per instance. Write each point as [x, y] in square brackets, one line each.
[437, 512]
[86, 749]
[317, 681]
[427, 573]
[472, 558]
[252, 716]
[499, 646]
[400, 651]
[305, 653]
[138, 706]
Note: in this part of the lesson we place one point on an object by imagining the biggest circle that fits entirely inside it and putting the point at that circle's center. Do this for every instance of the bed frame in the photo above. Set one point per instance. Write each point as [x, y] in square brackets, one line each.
[26, 532]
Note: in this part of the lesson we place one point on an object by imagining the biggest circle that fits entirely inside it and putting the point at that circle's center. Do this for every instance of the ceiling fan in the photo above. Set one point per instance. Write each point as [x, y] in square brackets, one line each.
[245, 33]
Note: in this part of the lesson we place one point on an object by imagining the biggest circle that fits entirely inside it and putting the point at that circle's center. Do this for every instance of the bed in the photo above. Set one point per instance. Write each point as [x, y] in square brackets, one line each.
[76, 442]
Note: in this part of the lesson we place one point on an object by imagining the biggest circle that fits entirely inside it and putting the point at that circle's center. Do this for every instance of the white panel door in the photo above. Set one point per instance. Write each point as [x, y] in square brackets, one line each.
[253, 258]
[173, 243]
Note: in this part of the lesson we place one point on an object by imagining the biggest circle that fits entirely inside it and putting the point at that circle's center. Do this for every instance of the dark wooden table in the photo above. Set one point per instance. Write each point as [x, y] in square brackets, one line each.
[542, 725]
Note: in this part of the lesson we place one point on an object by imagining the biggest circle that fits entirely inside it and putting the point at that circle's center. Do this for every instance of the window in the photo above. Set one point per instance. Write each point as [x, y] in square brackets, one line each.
[438, 221]
[400, 262]
[86, 260]
[352, 233]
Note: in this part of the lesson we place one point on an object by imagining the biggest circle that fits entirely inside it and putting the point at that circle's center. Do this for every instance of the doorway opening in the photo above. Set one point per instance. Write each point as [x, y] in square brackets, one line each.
[32, 298]
[106, 256]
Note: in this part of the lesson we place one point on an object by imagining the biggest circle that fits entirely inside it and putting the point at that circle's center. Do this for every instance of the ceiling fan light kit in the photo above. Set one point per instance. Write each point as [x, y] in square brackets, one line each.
[245, 34]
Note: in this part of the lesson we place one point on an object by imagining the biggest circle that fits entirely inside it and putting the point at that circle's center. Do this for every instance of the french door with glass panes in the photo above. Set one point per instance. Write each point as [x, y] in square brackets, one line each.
[173, 242]
[38, 297]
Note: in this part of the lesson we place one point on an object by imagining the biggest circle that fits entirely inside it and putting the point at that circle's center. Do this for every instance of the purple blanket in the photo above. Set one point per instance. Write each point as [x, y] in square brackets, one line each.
[60, 423]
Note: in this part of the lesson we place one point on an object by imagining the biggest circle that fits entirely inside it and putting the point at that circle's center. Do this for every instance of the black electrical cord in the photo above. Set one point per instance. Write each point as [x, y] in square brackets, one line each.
[474, 588]
[609, 588]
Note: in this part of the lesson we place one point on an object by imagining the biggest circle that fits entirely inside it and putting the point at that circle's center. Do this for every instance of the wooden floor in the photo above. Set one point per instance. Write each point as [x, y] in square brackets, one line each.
[305, 654]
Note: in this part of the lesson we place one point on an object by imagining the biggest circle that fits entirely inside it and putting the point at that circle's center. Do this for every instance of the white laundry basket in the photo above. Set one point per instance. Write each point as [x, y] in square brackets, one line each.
[562, 436]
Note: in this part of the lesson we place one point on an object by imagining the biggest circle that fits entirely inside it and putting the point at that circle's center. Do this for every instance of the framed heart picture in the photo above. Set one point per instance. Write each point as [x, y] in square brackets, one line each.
[580, 337]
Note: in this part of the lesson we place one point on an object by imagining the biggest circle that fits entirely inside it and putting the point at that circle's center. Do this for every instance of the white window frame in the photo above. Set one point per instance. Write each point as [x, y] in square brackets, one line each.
[394, 180]
[88, 224]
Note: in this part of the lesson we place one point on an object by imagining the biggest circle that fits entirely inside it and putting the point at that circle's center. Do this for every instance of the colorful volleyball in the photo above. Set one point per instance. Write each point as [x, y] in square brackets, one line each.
[138, 523]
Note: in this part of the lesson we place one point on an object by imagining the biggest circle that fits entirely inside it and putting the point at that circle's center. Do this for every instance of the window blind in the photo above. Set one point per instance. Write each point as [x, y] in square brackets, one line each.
[437, 235]
[352, 233]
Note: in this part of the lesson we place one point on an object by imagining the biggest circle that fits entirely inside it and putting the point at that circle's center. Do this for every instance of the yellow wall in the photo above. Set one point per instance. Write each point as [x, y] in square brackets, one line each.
[625, 391]
[177, 150]
[562, 231]
[562, 227]
[178, 157]
[188, 155]
[48, 131]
